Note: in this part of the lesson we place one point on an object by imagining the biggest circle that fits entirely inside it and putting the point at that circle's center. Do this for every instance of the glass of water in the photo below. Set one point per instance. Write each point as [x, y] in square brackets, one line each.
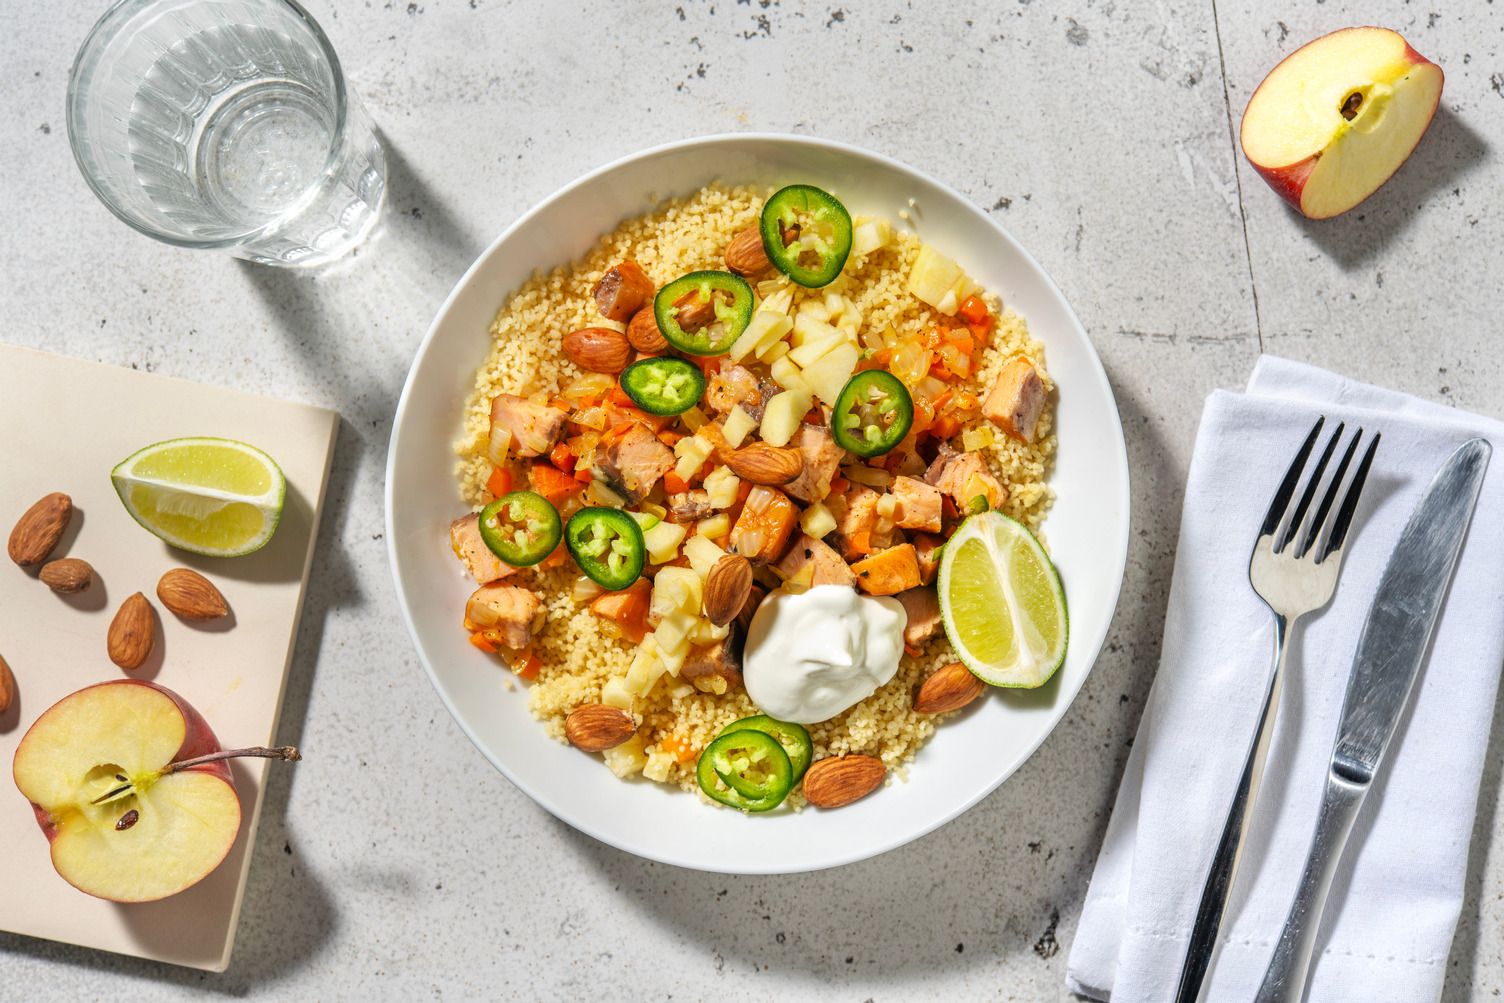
[225, 124]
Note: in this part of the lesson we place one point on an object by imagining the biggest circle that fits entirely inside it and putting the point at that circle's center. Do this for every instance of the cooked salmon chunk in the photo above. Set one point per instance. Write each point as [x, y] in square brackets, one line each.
[856, 514]
[632, 464]
[534, 427]
[829, 569]
[822, 458]
[1016, 399]
[689, 506]
[923, 608]
[964, 476]
[927, 550]
[719, 661]
[484, 566]
[505, 614]
[918, 504]
[738, 385]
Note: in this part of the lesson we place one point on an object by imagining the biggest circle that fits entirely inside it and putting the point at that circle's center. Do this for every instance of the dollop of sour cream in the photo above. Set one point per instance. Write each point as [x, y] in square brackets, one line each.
[811, 656]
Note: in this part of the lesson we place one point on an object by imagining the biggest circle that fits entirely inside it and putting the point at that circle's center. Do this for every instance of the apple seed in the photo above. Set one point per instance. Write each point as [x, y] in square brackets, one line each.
[127, 820]
[1351, 105]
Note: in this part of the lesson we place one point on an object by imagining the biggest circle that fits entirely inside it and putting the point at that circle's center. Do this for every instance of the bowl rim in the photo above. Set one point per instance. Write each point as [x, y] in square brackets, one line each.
[1095, 368]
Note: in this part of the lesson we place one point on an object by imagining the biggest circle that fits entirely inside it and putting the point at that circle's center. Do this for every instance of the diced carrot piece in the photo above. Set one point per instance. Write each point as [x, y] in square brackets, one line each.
[946, 426]
[583, 474]
[773, 524]
[561, 457]
[500, 482]
[888, 573]
[677, 747]
[628, 609]
[529, 668]
[553, 483]
[862, 542]
[619, 396]
[910, 650]
[479, 640]
[557, 559]
[974, 310]
[674, 484]
[838, 485]
[669, 437]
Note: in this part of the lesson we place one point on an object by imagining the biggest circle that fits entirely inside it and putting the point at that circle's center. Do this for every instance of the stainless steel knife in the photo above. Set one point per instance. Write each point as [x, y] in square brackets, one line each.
[1394, 641]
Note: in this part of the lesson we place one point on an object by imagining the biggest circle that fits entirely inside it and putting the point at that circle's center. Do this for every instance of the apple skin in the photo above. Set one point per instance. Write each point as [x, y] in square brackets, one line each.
[199, 740]
[1289, 181]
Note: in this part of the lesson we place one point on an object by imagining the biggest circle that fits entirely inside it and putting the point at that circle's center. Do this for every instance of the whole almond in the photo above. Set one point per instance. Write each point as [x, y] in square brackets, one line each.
[598, 349]
[831, 783]
[596, 727]
[949, 688]
[39, 529]
[726, 588]
[761, 463]
[643, 333]
[7, 686]
[190, 595]
[68, 575]
[745, 254]
[132, 634]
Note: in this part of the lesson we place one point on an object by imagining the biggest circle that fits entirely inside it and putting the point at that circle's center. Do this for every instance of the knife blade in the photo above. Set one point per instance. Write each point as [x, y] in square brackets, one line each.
[1393, 644]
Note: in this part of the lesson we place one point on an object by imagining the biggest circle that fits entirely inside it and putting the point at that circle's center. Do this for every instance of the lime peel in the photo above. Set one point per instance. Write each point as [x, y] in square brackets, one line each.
[993, 561]
[210, 496]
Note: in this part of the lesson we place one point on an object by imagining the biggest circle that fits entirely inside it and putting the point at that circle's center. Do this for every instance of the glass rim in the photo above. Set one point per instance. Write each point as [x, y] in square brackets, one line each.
[94, 43]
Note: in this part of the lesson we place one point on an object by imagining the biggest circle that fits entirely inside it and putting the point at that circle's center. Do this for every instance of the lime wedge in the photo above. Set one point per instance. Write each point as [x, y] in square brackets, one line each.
[1002, 603]
[212, 496]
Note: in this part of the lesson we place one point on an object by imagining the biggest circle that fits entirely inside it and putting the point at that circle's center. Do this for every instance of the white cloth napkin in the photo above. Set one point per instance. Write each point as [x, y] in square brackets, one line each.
[1389, 919]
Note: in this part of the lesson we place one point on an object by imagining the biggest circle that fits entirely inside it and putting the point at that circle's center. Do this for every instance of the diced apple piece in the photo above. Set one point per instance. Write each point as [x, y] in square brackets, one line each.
[933, 277]
[702, 553]
[721, 484]
[705, 632]
[674, 590]
[786, 374]
[658, 766]
[812, 308]
[715, 527]
[662, 542]
[828, 374]
[646, 668]
[767, 326]
[629, 757]
[781, 418]
[808, 329]
[776, 350]
[738, 423]
[692, 452]
[818, 521]
[811, 350]
[615, 694]
[673, 632]
[870, 236]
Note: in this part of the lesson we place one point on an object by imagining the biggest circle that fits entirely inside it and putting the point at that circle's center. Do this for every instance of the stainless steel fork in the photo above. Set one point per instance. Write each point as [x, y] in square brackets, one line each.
[1294, 568]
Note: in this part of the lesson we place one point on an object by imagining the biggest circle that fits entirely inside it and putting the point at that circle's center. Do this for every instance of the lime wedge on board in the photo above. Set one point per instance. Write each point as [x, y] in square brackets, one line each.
[1002, 603]
[211, 496]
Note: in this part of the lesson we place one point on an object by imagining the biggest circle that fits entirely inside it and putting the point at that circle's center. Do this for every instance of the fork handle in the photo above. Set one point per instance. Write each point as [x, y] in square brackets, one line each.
[1224, 867]
[1285, 979]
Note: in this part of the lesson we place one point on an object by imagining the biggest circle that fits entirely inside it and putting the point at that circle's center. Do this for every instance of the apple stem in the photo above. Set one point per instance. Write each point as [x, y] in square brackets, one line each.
[286, 752]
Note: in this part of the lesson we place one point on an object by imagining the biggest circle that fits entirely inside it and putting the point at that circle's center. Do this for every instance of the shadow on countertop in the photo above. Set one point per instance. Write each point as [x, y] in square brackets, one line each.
[1447, 153]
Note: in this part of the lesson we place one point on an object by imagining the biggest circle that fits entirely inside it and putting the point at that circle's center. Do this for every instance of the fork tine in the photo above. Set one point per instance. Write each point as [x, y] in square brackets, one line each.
[1349, 504]
[1298, 517]
[1327, 499]
[1286, 488]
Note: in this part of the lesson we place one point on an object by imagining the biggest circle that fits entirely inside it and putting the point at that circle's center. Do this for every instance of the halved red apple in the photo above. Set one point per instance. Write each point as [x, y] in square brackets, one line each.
[1338, 116]
[132, 789]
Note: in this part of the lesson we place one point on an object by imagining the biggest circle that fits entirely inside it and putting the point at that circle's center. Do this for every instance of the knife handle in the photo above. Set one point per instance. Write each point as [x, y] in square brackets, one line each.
[1285, 978]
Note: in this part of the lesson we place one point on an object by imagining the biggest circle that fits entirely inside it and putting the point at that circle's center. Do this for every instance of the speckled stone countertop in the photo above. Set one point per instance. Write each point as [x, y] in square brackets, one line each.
[1099, 132]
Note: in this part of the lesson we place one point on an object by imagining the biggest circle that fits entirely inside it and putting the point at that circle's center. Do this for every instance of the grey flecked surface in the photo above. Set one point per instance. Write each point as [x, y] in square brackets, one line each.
[395, 863]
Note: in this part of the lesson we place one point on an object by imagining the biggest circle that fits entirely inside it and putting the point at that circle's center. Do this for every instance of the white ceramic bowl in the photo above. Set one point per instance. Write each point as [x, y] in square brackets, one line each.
[1087, 528]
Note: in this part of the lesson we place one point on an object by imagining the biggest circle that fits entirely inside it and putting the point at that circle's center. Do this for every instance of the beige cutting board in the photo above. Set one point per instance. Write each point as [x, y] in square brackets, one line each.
[64, 424]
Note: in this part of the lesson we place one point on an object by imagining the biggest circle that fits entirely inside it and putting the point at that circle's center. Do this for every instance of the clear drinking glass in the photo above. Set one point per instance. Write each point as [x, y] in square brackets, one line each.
[225, 124]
